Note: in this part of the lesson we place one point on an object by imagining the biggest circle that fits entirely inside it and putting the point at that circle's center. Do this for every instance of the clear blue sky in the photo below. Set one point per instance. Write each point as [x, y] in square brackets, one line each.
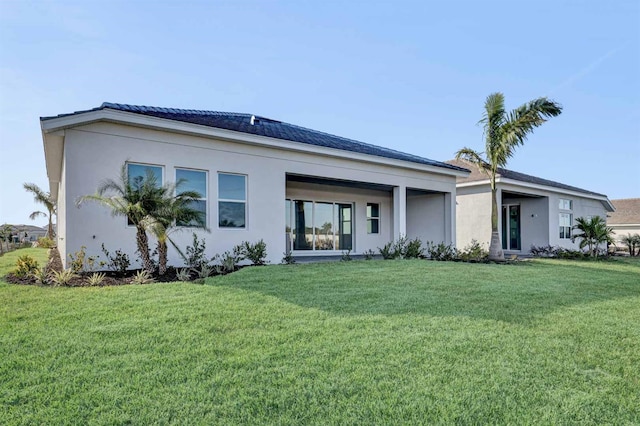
[407, 75]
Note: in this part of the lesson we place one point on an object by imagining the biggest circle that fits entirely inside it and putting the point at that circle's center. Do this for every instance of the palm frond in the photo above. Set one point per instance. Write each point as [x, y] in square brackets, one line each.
[37, 214]
[471, 156]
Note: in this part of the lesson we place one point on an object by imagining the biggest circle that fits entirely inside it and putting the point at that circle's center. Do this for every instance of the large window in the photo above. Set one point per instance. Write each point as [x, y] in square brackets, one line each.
[373, 218]
[194, 181]
[232, 200]
[319, 225]
[565, 225]
[137, 174]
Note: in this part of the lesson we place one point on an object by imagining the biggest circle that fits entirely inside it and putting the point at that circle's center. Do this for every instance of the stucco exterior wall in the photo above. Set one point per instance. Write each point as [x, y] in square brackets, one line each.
[425, 214]
[539, 216]
[473, 215]
[97, 151]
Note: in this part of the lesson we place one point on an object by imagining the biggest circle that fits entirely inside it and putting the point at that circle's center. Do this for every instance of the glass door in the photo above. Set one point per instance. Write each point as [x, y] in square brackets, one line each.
[511, 227]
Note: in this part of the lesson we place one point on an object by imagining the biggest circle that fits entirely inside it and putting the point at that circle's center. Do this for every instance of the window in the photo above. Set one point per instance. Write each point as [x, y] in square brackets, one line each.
[565, 225]
[193, 181]
[314, 225]
[137, 174]
[565, 204]
[232, 200]
[565, 218]
[373, 218]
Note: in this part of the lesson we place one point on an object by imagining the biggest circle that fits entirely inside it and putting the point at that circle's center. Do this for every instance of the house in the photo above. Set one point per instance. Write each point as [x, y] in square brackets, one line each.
[532, 211]
[27, 233]
[626, 219]
[301, 191]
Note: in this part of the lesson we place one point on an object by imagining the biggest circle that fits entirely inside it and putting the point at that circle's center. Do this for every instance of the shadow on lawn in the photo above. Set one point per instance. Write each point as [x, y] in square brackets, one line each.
[512, 293]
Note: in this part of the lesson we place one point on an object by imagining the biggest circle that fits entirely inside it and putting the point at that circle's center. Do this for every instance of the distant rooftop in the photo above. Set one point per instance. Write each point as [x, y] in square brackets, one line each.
[262, 126]
[477, 175]
[627, 212]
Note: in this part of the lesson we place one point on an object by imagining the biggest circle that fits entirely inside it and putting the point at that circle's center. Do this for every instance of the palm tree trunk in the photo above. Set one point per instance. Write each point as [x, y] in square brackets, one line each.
[162, 257]
[143, 247]
[50, 228]
[495, 247]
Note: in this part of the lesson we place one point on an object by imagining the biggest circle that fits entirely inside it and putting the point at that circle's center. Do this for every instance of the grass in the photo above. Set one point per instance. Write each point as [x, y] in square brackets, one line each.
[350, 343]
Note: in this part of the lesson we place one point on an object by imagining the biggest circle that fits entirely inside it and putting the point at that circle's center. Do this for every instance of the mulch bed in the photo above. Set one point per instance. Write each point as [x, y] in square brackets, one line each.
[82, 280]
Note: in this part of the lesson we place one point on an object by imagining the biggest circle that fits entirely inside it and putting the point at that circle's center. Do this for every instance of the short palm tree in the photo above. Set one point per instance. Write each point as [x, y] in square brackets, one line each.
[175, 208]
[42, 197]
[133, 199]
[503, 132]
[631, 241]
[593, 232]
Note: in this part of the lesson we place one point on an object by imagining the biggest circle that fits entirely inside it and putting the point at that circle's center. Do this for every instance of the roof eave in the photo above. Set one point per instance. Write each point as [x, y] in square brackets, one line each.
[53, 124]
[600, 197]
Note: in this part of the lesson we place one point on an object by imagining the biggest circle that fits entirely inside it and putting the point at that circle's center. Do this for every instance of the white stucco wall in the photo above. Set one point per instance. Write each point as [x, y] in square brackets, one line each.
[473, 215]
[97, 151]
[539, 216]
[425, 214]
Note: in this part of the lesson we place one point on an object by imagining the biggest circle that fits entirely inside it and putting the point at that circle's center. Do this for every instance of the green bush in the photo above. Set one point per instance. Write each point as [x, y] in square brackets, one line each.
[46, 242]
[118, 263]
[474, 252]
[25, 266]
[255, 253]
[413, 249]
[441, 251]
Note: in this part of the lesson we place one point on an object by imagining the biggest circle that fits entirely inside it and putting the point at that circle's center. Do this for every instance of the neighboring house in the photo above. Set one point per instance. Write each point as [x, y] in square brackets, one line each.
[27, 233]
[300, 190]
[626, 219]
[532, 211]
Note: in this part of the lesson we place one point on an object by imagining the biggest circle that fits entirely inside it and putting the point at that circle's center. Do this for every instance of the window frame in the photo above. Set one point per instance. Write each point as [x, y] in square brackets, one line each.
[227, 200]
[206, 194]
[136, 163]
[335, 227]
[565, 232]
[371, 218]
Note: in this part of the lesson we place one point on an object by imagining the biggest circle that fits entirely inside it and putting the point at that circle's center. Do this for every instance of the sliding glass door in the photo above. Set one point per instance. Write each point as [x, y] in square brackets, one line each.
[319, 226]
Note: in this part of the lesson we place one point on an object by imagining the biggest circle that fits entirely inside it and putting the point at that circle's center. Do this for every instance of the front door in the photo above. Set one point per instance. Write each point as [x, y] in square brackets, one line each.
[511, 227]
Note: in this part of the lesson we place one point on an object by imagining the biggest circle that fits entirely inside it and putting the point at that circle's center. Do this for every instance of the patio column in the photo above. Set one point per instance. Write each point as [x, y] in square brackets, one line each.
[399, 211]
[449, 218]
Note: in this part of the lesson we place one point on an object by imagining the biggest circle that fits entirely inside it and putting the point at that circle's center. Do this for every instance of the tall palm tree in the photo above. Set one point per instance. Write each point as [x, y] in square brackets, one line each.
[503, 132]
[44, 198]
[175, 208]
[135, 200]
[593, 232]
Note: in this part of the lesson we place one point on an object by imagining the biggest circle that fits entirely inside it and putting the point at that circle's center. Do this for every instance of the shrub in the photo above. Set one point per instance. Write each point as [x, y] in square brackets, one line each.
[46, 242]
[255, 253]
[41, 275]
[96, 279]
[346, 256]
[77, 260]
[142, 277]
[62, 278]
[389, 251]
[543, 251]
[369, 254]
[440, 251]
[195, 256]
[413, 249]
[288, 258]
[474, 252]
[228, 261]
[25, 266]
[183, 274]
[204, 272]
[118, 263]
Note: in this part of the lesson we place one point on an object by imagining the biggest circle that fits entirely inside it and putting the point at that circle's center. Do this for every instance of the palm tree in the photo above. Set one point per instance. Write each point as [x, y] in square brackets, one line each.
[171, 211]
[503, 132]
[594, 231]
[631, 241]
[133, 199]
[44, 198]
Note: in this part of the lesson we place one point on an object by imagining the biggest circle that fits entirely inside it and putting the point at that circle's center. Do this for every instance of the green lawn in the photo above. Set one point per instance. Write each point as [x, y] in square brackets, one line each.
[550, 342]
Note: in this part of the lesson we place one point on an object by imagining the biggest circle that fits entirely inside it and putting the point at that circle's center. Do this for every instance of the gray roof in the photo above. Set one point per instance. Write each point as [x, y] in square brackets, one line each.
[477, 175]
[241, 122]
